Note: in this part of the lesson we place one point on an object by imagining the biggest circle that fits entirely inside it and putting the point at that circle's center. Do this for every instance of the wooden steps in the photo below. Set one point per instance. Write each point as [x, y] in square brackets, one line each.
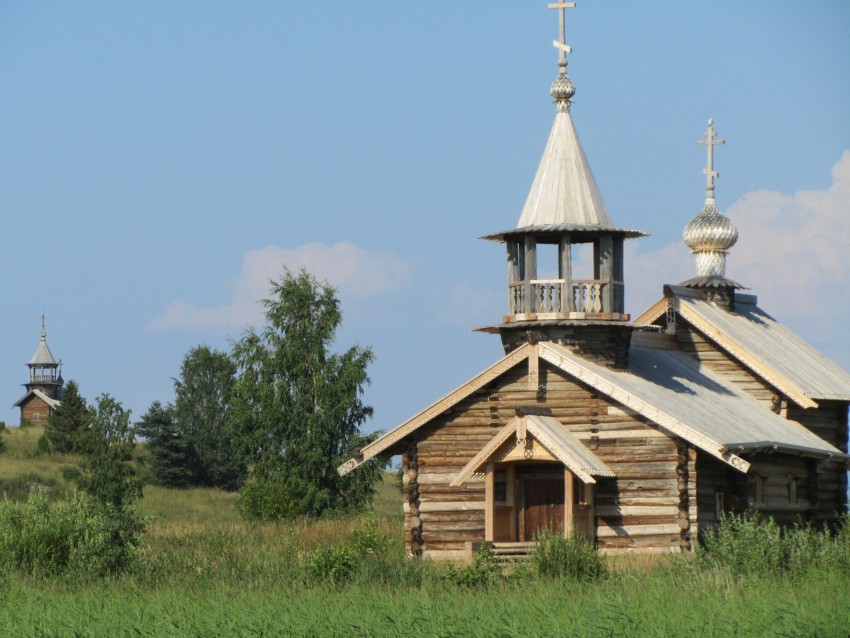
[511, 552]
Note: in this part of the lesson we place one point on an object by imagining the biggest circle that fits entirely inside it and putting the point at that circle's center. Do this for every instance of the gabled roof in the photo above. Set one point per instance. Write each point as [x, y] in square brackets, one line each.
[667, 387]
[564, 190]
[762, 344]
[675, 391]
[52, 403]
[552, 435]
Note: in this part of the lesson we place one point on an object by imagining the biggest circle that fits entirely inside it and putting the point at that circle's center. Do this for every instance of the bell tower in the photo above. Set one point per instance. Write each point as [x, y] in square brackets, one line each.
[565, 210]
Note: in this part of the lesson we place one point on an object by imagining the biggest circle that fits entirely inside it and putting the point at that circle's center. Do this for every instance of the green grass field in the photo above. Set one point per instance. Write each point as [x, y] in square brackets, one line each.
[202, 571]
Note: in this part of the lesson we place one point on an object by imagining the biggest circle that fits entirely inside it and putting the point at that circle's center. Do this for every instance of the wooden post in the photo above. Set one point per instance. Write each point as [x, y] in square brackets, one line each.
[682, 484]
[605, 267]
[489, 494]
[530, 260]
[569, 503]
[565, 272]
[619, 293]
[510, 477]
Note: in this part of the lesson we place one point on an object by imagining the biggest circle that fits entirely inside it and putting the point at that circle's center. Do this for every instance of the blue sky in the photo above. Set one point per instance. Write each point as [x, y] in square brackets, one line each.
[159, 161]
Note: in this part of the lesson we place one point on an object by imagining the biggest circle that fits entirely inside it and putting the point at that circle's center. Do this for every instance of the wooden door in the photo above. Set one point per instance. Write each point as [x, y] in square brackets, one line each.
[544, 505]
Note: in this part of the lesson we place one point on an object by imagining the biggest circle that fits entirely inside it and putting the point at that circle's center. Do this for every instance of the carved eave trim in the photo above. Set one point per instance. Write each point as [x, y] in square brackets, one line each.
[654, 414]
[436, 409]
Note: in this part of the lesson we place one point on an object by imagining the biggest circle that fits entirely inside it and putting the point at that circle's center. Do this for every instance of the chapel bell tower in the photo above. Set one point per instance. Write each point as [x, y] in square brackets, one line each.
[565, 220]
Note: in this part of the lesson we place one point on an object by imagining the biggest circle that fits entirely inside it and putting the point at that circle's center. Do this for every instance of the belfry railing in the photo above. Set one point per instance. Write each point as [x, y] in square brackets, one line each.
[558, 296]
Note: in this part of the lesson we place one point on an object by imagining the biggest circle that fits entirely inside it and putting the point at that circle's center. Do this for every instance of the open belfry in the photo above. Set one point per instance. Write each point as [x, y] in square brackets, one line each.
[44, 387]
[636, 434]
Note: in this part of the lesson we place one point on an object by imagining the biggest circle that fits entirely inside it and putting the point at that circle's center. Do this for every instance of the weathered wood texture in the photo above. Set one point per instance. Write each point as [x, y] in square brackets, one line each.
[35, 411]
[718, 360]
[829, 422]
[639, 509]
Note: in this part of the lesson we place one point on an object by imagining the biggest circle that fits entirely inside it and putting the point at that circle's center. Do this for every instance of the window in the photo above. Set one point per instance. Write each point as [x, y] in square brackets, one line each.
[792, 488]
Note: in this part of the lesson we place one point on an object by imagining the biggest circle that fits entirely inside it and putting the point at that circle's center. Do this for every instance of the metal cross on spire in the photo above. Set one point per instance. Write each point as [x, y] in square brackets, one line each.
[709, 170]
[561, 45]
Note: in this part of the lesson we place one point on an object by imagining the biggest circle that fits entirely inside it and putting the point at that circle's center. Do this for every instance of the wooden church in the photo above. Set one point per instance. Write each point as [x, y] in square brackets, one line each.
[44, 387]
[637, 434]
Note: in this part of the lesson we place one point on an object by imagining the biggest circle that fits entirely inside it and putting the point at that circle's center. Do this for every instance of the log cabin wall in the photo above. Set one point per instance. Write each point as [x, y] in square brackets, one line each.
[637, 511]
[785, 487]
[718, 360]
[829, 422]
[35, 412]
[780, 486]
[720, 489]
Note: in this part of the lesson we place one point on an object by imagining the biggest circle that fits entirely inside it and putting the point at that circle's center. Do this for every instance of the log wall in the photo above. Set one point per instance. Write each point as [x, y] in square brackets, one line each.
[639, 510]
[718, 360]
[829, 422]
[35, 412]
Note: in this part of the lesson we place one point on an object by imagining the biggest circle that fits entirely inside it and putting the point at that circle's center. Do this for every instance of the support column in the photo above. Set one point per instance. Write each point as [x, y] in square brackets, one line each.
[530, 260]
[605, 254]
[565, 272]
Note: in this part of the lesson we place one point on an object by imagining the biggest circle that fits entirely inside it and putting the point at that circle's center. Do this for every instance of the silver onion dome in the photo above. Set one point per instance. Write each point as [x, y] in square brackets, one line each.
[710, 230]
[562, 88]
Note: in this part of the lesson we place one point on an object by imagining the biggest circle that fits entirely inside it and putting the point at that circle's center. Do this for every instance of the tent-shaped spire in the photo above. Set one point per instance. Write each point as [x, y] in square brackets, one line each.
[43, 356]
[564, 191]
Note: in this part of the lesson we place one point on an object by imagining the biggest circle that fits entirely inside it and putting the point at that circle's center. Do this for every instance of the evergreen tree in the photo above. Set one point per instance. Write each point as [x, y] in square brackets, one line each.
[201, 405]
[2, 440]
[170, 456]
[66, 422]
[297, 409]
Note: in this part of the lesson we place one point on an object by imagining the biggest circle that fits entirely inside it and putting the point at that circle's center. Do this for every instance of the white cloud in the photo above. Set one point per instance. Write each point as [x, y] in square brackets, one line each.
[355, 272]
[793, 251]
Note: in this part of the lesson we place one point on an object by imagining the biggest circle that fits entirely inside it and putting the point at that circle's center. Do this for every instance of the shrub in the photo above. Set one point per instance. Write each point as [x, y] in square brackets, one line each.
[483, 571]
[334, 564]
[573, 557]
[745, 544]
[364, 555]
[71, 536]
[2, 440]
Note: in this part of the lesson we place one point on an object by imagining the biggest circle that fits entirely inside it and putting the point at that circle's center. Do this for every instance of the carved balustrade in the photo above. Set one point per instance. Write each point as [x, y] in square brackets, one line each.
[556, 296]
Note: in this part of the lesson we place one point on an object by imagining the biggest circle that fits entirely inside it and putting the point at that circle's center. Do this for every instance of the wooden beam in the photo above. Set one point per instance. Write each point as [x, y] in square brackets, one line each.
[489, 491]
[533, 369]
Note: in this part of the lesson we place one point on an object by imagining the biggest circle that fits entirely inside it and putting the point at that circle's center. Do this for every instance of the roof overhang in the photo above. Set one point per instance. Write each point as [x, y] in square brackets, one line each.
[577, 232]
[518, 436]
[51, 403]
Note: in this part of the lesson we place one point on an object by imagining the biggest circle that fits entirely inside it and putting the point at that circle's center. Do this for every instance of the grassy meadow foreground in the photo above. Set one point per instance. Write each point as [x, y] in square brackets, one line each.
[202, 571]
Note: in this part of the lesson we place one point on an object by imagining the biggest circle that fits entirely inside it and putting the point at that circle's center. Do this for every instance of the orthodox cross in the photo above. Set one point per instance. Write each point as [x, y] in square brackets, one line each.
[561, 45]
[709, 170]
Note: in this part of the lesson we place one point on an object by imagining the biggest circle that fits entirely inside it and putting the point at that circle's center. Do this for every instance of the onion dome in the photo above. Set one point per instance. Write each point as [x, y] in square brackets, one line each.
[710, 230]
[710, 234]
[562, 88]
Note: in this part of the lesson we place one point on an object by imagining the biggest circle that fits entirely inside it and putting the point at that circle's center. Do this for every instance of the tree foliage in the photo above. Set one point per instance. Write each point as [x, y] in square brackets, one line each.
[170, 459]
[66, 422]
[189, 443]
[296, 408]
[106, 471]
[201, 406]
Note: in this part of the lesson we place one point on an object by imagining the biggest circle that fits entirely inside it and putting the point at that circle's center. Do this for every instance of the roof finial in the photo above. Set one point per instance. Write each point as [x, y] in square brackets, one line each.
[562, 88]
[43, 331]
[709, 170]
